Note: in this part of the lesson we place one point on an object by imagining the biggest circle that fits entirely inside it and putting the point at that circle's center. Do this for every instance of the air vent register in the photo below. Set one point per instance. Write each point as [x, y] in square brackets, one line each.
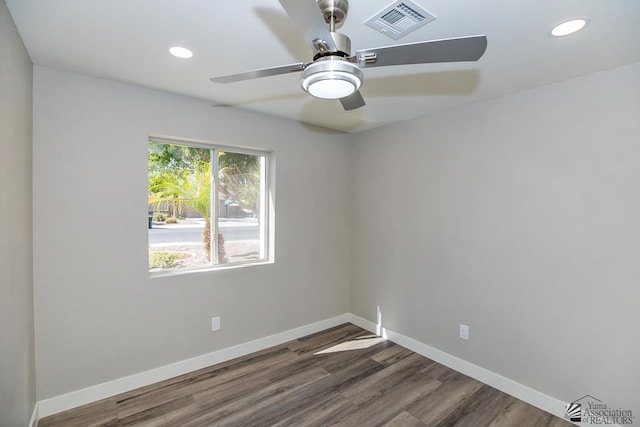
[399, 19]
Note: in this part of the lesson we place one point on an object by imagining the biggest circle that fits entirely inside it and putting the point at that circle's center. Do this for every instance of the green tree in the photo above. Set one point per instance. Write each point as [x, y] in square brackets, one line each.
[169, 163]
[189, 188]
[243, 163]
[177, 157]
[239, 179]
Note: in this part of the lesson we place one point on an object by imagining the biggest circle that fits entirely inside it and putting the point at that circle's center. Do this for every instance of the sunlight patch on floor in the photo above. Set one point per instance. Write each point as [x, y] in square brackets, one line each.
[356, 344]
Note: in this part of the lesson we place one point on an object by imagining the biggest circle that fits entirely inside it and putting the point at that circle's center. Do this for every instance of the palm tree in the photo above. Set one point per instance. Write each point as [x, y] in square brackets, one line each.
[190, 188]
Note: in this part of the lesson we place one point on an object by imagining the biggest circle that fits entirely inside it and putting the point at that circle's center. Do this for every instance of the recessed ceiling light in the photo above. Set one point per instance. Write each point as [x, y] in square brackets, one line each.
[569, 27]
[180, 52]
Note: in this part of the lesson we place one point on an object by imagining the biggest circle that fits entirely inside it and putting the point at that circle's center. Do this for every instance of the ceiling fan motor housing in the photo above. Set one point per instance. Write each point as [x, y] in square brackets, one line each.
[343, 46]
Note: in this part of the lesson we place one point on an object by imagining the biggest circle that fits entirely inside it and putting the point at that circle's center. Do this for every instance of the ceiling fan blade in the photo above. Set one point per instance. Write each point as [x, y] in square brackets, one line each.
[264, 72]
[307, 16]
[353, 101]
[446, 50]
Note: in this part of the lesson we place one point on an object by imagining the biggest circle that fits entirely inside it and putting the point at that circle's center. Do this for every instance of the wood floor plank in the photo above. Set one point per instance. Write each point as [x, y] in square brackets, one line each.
[247, 370]
[224, 391]
[330, 385]
[342, 376]
[404, 419]
[522, 414]
[436, 407]
[391, 355]
[335, 362]
[208, 372]
[156, 415]
[321, 341]
[480, 408]
[383, 406]
[558, 422]
[249, 410]
[386, 379]
[317, 412]
[102, 413]
[309, 398]
[437, 371]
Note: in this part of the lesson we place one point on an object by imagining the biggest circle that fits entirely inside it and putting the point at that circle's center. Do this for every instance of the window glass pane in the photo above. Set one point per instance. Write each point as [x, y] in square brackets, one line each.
[194, 224]
[240, 204]
[179, 207]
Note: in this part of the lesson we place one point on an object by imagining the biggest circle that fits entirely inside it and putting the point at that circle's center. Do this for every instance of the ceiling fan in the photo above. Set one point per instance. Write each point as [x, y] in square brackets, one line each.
[334, 73]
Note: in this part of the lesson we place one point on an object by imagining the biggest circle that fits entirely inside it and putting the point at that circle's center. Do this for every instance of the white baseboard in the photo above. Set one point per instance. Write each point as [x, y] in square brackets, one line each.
[515, 389]
[77, 398]
[35, 416]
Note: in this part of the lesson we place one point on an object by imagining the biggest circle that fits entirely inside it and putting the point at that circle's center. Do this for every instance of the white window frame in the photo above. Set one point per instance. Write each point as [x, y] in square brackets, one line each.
[266, 202]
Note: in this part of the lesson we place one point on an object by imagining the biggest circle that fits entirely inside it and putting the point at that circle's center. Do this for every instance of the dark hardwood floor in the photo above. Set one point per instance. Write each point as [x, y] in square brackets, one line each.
[379, 384]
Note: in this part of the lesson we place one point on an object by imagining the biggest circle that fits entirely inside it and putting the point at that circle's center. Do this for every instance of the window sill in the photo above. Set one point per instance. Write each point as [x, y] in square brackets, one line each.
[157, 274]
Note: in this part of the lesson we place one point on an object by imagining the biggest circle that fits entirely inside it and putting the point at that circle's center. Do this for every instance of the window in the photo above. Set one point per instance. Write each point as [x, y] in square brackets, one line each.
[207, 206]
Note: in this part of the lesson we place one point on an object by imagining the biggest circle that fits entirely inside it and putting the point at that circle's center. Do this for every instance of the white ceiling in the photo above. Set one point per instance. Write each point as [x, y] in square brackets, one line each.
[128, 41]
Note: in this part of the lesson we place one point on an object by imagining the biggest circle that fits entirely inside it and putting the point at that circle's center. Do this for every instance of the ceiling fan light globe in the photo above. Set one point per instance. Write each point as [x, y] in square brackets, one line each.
[331, 79]
[331, 86]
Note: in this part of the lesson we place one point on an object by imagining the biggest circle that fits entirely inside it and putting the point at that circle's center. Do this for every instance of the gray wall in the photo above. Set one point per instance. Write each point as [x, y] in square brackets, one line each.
[99, 316]
[17, 368]
[520, 217]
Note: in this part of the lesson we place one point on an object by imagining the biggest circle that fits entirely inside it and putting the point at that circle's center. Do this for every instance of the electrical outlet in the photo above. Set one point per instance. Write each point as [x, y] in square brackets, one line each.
[215, 324]
[464, 332]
